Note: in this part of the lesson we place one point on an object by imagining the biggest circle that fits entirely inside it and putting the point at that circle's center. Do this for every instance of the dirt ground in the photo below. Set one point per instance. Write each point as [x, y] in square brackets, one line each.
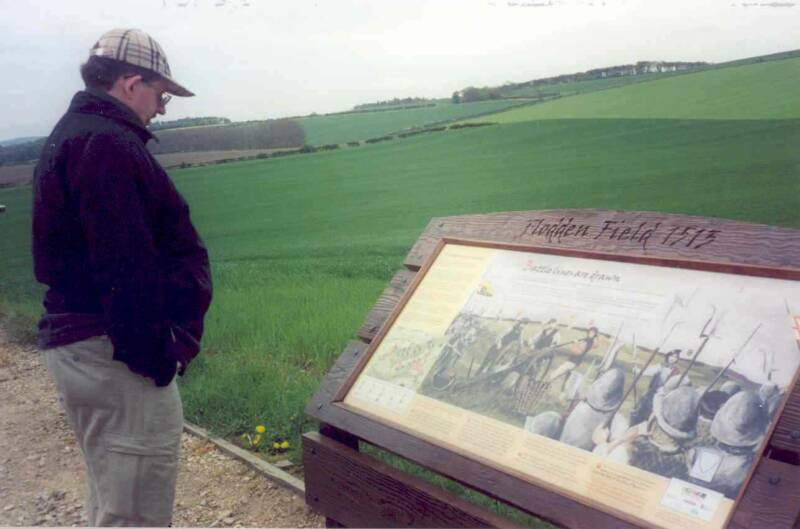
[42, 473]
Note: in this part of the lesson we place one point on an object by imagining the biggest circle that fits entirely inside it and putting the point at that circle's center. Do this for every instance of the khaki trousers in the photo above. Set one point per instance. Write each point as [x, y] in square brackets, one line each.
[128, 428]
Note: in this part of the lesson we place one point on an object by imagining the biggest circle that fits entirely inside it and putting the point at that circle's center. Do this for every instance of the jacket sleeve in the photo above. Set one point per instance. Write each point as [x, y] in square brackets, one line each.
[186, 275]
[117, 218]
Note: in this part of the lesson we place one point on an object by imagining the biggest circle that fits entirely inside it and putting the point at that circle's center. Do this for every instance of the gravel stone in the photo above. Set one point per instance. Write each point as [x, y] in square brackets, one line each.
[44, 476]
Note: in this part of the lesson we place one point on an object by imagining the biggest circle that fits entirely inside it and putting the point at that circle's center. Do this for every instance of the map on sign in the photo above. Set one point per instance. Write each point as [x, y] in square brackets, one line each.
[647, 391]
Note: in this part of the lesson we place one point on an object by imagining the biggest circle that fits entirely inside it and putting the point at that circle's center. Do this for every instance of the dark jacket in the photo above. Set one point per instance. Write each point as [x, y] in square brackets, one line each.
[113, 241]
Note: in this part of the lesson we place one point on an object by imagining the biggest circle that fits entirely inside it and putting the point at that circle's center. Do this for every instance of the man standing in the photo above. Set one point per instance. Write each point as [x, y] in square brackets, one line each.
[500, 349]
[527, 379]
[660, 374]
[128, 281]
[659, 444]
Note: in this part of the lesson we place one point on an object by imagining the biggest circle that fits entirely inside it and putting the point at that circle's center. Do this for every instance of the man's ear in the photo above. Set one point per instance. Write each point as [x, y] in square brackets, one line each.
[127, 84]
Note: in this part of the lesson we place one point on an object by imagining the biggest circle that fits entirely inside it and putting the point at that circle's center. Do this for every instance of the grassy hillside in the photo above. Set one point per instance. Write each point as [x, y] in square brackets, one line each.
[765, 90]
[591, 85]
[303, 246]
[355, 126]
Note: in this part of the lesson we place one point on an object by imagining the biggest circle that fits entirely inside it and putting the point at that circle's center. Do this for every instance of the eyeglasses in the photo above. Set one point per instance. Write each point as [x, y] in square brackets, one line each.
[163, 99]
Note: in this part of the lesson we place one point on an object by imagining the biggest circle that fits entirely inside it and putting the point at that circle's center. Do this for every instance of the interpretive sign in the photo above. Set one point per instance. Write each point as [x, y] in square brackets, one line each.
[598, 369]
[642, 387]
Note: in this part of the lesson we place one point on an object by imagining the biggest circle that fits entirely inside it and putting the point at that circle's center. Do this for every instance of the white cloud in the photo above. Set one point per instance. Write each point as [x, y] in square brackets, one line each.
[279, 58]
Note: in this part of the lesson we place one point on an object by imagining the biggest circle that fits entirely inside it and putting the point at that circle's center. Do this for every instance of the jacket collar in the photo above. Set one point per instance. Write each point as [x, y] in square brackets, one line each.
[94, 101]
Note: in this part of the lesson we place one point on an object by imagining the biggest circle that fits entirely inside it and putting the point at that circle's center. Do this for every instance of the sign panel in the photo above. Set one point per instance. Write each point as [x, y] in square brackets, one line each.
[646, 389]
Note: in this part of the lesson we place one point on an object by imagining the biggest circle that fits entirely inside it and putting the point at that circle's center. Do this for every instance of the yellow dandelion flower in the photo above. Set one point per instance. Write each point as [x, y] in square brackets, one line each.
[260, 428]
[285, 445]
[276, 445]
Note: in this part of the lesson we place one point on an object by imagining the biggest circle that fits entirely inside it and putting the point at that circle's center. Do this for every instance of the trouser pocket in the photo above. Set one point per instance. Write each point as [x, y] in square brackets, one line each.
[139, 482]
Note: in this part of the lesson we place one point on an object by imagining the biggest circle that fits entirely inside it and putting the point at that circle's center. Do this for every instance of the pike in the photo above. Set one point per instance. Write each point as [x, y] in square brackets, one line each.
[579, 389]
[609, 357]
[732, 360]
[706, 337]
[633, 361]
[639, 375]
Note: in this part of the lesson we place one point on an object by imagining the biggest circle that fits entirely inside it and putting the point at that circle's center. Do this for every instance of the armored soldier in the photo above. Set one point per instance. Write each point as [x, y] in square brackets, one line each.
[660, 374]
[547, 424]
[602, 400]
[500, 348]
[738, 428]
[658, 445]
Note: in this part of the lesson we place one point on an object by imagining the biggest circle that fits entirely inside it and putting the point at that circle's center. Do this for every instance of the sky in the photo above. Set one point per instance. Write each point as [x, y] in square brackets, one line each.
[262, 59]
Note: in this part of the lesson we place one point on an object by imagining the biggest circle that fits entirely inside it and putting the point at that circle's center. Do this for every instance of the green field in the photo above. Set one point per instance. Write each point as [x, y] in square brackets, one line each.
[302, 246]
[590, 85]
[357, 126]
[752, 91]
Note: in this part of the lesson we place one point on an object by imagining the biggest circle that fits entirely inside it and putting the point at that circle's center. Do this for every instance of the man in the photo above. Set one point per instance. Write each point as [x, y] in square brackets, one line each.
[128, 281]
[660, 374]
[602, 401]
[578, 354]
[500, 349]
[659, 444]
[737, 430]
[462, 333]
[523, 379]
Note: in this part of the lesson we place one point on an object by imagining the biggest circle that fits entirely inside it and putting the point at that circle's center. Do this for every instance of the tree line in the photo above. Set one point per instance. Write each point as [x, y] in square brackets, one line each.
[394, 102]
[472, 94]
[189, 122]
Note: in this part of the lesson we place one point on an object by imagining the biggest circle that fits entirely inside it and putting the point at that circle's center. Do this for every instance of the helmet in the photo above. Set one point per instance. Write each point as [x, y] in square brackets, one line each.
[547, 423]
[767, 391]
[741, 422]
[605, 393]
[676, 412]
[731, 388]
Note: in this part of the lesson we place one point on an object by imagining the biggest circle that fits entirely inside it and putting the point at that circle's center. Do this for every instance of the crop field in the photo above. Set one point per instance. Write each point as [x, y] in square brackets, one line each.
[21, 174]
[725, 93]
[302, 246]
[591, 85]
[11, 175]
[356, 126]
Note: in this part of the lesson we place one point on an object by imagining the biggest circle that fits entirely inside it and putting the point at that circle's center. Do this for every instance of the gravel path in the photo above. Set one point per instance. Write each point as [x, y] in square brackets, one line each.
[42, 473]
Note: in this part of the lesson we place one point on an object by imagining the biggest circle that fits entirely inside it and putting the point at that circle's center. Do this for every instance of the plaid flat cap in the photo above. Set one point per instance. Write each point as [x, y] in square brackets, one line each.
[136, 47]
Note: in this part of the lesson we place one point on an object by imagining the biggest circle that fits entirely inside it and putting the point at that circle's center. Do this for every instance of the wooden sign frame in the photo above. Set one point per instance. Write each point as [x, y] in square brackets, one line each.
[693, 242]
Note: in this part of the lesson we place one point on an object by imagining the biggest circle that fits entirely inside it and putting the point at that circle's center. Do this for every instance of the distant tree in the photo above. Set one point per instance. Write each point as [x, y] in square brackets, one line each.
[21, 152]
[456, 97]
[189, 122]
[472, 94]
